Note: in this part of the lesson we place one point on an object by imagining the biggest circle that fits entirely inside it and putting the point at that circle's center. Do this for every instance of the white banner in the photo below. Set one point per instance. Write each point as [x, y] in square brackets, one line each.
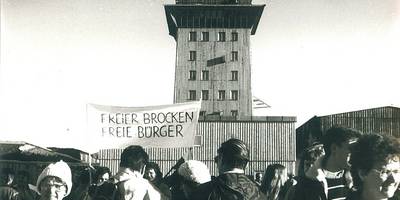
[154, 126]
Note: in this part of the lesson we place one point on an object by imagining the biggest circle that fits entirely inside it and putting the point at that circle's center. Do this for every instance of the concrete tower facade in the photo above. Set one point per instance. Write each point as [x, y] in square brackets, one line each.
[213, 53]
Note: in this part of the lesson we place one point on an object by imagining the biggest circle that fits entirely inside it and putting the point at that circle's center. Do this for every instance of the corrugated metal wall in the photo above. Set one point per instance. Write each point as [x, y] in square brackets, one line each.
[269, 142]
[385, 120]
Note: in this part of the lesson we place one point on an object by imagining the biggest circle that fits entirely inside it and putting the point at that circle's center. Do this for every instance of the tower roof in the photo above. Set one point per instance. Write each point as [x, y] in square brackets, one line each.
[213, 16]
[213, 1]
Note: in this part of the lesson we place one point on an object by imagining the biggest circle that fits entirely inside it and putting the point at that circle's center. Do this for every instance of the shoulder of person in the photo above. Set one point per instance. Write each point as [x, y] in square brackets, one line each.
[305, 185]
[202, 191]
[107, 190]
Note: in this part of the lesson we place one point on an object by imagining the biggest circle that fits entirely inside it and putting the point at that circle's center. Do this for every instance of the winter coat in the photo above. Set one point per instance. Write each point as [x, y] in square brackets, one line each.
[163, 188]
[309, 189]
[353, 195]
[9, 193]
[230, 186]
[315, 186]
[132, 186]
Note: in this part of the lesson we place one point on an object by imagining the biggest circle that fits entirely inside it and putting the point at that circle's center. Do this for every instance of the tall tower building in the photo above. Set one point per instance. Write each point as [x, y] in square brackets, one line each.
[213, 53]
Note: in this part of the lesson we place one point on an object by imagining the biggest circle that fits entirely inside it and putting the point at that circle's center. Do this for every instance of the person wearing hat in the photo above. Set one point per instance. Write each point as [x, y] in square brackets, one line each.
[232, 183]
[55, 181]
[329, 177]
[193, 173]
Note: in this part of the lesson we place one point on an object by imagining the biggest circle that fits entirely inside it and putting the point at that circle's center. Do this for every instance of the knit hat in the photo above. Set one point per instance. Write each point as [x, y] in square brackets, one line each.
[60, 170]
[195, 171]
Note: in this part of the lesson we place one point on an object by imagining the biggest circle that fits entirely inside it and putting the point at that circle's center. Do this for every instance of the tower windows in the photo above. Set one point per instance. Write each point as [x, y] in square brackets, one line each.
[192, 55]
[234, 95]
[192, 95]
[192, 75]
[234, 36]
[205, 37]
[234, 56]
[234, 113]
[221, 95]
[221, 37]
[204, 75]
[234, 75]
[204, 95]
[192, 36]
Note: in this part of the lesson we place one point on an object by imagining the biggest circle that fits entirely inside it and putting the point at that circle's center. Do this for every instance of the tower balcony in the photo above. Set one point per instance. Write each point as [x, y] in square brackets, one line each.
[213, 2]
[191, 15]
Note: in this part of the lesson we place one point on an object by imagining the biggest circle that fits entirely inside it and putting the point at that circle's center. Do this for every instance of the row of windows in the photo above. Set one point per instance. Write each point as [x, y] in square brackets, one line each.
[234, 113]
[205, 75]
[221, 95]
[193, 55]
[205, 36]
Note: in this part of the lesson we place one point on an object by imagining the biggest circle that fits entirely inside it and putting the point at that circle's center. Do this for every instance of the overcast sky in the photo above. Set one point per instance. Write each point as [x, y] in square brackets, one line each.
[308, 58]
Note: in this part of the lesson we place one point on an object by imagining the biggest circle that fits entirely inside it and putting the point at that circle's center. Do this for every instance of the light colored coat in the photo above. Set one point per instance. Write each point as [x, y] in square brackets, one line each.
[132, 186]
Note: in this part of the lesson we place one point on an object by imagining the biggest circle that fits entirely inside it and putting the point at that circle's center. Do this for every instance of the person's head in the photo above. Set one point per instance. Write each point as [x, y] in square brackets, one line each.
[55, 182]
[232, 154]
[258, 177]
[309, 156]
[274, 177]
[7, 176]
[193, 173]
[375, 165]
[84, 177]
[153, 172]
[102, 175]
[135, 158]
[337, 142]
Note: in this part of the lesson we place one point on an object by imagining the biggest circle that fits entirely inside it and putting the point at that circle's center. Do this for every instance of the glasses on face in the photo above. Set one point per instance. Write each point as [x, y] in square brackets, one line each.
[384, 173]
[58, 187]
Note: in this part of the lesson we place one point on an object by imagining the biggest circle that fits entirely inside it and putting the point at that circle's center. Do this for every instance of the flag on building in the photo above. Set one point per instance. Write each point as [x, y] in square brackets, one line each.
[258, 103]
[216, 61]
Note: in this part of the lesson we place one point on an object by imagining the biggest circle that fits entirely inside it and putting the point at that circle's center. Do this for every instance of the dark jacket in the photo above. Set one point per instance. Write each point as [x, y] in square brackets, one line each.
[230, 186]
[353, 195]
[396, 195]
[8, 193]
[308, 189]
[314, 186]
[163, 188]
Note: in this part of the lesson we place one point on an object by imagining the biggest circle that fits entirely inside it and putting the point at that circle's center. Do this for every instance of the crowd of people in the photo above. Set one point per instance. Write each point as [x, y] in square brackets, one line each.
[344, 165]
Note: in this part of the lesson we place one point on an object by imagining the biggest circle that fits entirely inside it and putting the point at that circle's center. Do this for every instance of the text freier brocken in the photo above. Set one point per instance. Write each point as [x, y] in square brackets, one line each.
[144, 125]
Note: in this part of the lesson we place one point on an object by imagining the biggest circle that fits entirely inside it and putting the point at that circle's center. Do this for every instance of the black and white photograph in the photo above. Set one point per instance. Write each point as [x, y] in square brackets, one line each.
[199, 99]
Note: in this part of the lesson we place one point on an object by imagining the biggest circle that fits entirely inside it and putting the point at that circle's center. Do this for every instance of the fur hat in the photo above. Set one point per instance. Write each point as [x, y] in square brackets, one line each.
[60, 170]
[194, 170]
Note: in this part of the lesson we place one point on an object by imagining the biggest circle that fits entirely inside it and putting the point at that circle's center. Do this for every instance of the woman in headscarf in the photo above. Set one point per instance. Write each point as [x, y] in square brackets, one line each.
[55, 182]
